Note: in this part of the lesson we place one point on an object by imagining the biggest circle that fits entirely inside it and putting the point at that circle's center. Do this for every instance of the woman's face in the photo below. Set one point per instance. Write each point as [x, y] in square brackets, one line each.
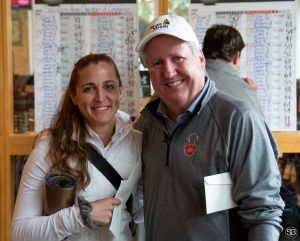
[98, 94]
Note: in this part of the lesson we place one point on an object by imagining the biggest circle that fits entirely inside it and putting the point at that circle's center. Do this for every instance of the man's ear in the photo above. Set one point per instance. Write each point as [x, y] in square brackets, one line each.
[236, 58]
[202, 57]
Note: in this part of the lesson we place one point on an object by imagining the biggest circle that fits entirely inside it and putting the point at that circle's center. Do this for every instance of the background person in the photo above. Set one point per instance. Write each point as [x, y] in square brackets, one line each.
[193, 130]
[222, 47]
[88, 114]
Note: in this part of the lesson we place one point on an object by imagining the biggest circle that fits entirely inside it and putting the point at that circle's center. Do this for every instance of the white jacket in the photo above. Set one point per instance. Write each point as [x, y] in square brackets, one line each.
[29, 224]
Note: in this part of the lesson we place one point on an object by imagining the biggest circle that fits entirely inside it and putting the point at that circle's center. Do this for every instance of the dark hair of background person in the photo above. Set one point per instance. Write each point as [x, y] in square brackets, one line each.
[222, 42]
[67, 121]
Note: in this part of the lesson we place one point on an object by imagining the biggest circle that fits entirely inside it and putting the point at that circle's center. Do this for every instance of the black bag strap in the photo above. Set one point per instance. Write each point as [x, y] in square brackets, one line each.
[103, 166]
[106, 169]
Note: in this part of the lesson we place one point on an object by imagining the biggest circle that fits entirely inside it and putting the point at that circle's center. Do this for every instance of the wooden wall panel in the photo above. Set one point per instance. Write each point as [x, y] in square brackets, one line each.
[6, 120]
[2, 134]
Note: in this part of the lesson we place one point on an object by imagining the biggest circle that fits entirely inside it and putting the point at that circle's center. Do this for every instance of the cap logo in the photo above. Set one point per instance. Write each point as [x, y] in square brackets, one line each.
[164, 24]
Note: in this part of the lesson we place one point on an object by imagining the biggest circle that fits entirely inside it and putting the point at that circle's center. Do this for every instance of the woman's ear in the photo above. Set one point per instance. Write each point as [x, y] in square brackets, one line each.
[73, 99]
[121, 93]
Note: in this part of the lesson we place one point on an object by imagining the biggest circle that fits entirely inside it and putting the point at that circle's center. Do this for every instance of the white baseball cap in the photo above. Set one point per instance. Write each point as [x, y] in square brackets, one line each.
[170, 25]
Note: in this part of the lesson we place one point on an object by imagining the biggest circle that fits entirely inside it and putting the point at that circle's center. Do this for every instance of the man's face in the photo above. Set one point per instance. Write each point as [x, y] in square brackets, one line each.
[177, 75]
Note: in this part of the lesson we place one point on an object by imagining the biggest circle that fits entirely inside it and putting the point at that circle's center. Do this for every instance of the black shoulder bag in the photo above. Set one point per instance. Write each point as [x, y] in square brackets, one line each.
[111, 174]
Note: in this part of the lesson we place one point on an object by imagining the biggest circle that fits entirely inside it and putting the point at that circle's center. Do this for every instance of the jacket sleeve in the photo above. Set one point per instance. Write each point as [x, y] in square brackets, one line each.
[28, 223]
[253, 157]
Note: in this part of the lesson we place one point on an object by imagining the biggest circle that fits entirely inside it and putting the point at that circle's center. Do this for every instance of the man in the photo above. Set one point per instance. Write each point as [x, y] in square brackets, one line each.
[222, 47]
[191, 131]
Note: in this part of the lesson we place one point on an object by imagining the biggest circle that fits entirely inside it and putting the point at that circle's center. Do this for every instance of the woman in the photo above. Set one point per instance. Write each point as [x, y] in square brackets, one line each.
[88, 114]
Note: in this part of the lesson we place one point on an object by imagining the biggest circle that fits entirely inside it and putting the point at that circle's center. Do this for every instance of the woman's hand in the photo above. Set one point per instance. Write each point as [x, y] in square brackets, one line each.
[102, 210]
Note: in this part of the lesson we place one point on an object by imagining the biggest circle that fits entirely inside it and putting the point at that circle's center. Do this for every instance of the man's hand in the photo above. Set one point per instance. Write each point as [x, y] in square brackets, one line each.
[250, 82]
